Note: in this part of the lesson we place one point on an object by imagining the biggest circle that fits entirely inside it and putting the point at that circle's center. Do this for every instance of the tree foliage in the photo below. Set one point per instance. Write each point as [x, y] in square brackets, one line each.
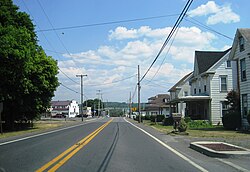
[28, 75]
[232, 119]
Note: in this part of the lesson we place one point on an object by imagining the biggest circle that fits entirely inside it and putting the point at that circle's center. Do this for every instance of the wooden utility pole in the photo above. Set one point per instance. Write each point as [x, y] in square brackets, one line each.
[81, 94]
[139, 95]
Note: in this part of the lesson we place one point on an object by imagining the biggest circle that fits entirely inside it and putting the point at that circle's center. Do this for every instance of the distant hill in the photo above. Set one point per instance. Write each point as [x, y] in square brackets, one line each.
[121, 105]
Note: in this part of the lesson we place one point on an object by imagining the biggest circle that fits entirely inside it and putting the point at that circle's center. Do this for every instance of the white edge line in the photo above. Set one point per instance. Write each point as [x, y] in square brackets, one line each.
[233, 165]
[41, 134]
[170, 148]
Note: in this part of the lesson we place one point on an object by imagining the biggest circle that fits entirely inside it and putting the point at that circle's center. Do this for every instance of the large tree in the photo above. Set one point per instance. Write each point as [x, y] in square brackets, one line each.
[28, 75]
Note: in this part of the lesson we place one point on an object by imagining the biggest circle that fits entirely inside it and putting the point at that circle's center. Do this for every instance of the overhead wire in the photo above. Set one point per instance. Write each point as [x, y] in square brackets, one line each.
[164, 57]
[180, 18]
[198, 23]
[108, 23]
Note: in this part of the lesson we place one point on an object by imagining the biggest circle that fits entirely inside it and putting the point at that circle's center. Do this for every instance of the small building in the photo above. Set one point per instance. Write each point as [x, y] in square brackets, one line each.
[65, 108]
[158, 105]
[241, 54]
[180, 90]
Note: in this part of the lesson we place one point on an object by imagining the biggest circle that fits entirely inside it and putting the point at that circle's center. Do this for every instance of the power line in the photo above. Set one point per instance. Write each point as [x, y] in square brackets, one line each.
[165, 56]
[111, 82]
[198, 23]
[69, 88]
[108, 23]
[180, 18]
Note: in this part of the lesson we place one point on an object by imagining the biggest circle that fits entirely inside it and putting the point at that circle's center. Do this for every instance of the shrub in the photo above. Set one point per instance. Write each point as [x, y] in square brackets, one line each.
[196, 124]
[248, 117]
[159, 118]
[147, 117]
[168, 121]
[231, 120]
[187, 119]
[182, 126]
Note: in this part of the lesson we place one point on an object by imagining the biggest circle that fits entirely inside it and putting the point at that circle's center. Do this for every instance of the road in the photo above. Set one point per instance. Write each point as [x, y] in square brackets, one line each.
[109, 144]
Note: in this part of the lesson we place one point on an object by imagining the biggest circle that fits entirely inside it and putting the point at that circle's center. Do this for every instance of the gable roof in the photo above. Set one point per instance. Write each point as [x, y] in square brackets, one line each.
[180, 82]
[60, 103]
[245, 33]
[206, 59]
[157, 100]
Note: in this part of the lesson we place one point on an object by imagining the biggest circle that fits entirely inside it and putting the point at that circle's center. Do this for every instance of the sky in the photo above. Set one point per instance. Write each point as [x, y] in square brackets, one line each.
[107, 40]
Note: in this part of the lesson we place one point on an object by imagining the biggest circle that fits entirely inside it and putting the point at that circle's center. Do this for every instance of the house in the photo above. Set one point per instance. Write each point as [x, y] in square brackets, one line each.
[210, 83]
[241, 54]
[65, 108]
[177, 92]
[158, 105]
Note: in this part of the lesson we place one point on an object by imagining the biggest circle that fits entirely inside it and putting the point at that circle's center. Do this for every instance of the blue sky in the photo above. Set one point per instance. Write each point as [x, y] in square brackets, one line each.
[109, 54]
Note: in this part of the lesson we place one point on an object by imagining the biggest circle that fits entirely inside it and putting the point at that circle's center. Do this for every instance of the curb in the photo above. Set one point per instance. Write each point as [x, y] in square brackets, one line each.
[219, 154]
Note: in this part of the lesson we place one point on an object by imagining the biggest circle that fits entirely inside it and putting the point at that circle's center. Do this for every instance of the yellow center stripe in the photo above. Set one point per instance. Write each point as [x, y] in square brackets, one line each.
[72, 150]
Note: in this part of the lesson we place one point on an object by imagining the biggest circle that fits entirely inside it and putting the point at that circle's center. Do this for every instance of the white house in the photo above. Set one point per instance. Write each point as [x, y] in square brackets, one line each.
[180, 90]
[210, 83]
[68, 108]
[241, 54]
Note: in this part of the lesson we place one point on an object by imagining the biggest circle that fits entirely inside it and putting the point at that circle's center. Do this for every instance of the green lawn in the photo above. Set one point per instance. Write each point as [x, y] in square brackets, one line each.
[39, 126]
[211, 132]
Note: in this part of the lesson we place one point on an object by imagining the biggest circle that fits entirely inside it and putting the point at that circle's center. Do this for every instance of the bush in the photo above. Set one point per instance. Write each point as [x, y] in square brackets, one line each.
[147, 117]
[187, 119]
[248, 117]
[168, 121]
[196, 124]
[182, 126]
[159, 118]
[231, 120]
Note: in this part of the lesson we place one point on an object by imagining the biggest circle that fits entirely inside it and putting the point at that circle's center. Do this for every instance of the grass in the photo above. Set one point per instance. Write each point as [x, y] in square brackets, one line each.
[210, 132]
[38, 126]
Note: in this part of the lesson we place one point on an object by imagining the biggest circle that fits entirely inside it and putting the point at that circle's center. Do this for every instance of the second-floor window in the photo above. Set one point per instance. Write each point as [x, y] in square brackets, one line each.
[195, 91]
[205, 88]
[241, 43]
[229, 65]
[223, 83]
[244, 105]
[243, 70]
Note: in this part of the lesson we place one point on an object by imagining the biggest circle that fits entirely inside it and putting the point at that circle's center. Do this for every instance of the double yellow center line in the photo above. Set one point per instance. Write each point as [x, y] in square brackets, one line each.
[66, 155]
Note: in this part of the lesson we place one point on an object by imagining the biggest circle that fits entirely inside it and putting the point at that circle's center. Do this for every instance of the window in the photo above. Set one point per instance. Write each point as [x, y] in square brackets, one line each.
[205, 88]
[244, 105]
[229, 65]
[195, 91]
[241, 43]
[185, 93]
[224, 108]
[243, 70]
[199, 90]
[223, 83]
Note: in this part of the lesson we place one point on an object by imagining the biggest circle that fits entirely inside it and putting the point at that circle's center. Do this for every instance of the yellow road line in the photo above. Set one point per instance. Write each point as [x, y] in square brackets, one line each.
[72, 150]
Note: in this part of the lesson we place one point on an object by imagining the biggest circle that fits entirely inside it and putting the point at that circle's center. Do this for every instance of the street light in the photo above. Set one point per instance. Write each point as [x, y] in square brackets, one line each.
[81, 93]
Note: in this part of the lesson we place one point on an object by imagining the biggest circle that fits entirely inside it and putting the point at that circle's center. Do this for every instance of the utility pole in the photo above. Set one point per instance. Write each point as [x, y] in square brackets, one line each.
[129, 106]
[1, 110]
[81, 93]
[139, 95]
[99, 92]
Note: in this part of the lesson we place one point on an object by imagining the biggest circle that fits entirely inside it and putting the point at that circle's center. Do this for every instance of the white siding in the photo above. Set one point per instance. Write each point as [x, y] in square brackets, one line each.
[245, 85]
[216, 94]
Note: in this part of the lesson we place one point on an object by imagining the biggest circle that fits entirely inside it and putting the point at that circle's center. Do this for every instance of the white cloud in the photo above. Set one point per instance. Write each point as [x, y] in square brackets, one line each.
[217, 13]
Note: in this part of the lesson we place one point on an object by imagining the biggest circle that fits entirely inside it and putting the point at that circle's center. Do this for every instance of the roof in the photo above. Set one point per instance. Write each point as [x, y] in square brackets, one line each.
[60, 103]
[180, 82]
[245, 33]
[206, 59]
[157, 101]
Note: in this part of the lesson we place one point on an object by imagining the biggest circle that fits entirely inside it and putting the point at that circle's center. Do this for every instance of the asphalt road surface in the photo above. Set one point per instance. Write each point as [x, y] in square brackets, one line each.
[109, 144]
